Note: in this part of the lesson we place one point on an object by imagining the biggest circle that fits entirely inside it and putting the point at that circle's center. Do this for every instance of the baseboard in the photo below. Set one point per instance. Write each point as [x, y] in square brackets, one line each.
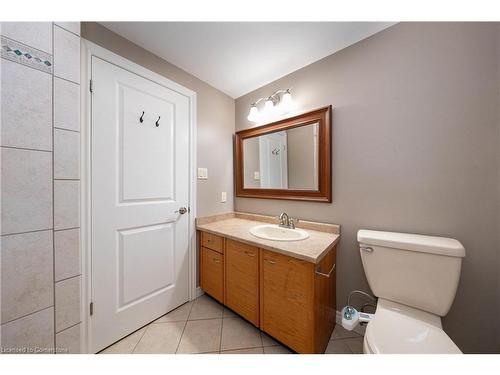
[199, 292]
[359, 329]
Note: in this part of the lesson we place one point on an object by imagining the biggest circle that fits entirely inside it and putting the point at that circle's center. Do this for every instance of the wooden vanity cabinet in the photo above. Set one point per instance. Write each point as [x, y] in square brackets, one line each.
[242, 280]
[292, 300]
[298, 301]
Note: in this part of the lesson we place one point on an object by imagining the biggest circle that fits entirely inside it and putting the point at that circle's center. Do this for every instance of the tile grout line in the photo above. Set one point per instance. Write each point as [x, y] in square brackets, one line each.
[138, 341]
[71, 326]
[67, 278]
[185, 325]
[65, 29]
[53, 193]
[26, 315]
[25, 148]
[28, 232]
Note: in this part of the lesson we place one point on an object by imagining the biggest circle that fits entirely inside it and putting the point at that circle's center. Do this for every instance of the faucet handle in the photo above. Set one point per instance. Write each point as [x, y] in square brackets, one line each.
[292, 221]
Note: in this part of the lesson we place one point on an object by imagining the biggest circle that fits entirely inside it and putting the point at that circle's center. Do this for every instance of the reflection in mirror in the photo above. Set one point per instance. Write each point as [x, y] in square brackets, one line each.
[286, 159]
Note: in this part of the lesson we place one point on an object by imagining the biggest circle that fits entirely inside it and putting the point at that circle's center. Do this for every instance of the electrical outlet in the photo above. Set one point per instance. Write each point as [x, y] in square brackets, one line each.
[256, 176]
[202, 174]
[223, 197]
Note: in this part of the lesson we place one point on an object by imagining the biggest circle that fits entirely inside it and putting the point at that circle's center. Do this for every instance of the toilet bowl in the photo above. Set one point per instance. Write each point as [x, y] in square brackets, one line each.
[415, 278]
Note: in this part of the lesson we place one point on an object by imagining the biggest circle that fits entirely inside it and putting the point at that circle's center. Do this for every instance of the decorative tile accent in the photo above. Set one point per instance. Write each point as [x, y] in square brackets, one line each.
[23, 54]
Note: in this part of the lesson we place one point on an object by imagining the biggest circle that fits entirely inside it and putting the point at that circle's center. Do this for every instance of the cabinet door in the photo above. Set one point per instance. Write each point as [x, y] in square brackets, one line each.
[242, 280]
[212, 273]
[287, 300]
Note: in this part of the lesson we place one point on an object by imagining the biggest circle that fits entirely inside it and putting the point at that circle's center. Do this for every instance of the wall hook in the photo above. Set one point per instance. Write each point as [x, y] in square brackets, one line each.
[140, 118]
[158, 121]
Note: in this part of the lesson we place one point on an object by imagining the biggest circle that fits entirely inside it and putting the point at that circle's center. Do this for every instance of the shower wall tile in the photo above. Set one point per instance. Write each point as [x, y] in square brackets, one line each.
[26, 191]
[40, 95]
[74, 27]
[67, 253]
[66, 204]
[66, 154]
[66, 104]
[31, 334]
[68, 341]
[26, 116]
[66, 55]
[27, 282]
[67, 303]
[34, 34]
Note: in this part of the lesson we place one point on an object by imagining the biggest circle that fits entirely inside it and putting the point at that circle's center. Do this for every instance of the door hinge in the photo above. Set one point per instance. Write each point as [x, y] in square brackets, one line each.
[91, 308]
[189, 209]
[91, 86]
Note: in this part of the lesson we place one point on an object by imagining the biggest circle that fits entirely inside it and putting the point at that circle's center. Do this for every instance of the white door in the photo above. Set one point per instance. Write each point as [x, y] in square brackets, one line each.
[140, 178]
[273, 161]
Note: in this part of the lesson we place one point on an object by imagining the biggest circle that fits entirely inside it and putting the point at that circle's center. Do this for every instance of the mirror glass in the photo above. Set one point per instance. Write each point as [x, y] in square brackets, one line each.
[286, 159]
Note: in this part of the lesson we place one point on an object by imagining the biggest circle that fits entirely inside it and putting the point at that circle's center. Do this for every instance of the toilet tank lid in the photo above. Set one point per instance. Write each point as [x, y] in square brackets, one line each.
[412, 242]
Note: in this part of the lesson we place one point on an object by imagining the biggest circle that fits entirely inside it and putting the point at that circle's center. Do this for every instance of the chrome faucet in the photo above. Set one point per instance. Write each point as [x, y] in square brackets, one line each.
[286, 221]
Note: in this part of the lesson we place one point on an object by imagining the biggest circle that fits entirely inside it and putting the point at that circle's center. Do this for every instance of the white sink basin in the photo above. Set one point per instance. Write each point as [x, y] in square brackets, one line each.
[277, 233]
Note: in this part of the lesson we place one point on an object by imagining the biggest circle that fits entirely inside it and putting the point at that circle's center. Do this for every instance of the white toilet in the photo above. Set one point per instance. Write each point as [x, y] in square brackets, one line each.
[415, 279]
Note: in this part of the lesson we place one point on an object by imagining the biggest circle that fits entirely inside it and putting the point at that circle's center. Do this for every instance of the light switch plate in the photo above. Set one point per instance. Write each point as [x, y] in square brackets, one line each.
[202, 174]
[223, 197]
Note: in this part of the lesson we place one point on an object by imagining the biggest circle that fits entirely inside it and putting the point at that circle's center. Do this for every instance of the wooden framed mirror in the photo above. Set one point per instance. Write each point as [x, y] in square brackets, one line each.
[286, 159]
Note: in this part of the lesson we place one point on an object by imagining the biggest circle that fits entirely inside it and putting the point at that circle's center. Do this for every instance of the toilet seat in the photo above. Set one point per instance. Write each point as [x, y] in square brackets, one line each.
[400, 329]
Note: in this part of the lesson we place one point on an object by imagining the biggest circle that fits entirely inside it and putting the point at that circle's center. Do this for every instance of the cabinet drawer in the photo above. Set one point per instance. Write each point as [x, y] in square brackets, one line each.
[212, 273]
[211, 241]
[242, 279]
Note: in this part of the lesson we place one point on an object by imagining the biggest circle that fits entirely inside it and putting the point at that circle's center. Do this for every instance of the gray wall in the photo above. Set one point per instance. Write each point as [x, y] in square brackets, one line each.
[215, 118]
[415, 149]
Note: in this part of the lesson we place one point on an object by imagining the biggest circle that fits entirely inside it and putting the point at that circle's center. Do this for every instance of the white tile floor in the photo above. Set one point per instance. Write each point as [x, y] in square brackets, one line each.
[205, 326]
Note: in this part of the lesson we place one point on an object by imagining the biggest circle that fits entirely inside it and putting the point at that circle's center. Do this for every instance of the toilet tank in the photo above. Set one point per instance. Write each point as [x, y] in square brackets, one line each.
[415, 270]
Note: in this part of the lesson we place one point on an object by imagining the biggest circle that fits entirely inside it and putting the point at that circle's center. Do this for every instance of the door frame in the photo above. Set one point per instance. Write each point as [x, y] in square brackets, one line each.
[89, 49]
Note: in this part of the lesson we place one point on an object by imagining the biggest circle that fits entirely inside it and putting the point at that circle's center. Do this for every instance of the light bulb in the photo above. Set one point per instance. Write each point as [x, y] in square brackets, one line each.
[268, 106]
[287, 101]
[253, 115]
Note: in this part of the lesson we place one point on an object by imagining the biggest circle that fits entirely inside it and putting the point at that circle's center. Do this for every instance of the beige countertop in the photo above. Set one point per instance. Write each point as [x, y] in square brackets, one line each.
[236, 226]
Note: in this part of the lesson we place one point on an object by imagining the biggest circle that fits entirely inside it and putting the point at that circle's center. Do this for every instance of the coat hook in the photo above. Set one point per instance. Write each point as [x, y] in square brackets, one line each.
[140, 119]
[158, 122]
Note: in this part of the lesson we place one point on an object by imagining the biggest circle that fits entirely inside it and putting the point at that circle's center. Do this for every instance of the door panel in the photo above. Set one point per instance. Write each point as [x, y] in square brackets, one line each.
[136, 181]
[140, 177]
[142, 252]
[242, 279]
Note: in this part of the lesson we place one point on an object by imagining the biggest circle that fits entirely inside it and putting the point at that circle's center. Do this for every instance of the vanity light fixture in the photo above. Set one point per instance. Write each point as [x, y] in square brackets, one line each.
[277, 103]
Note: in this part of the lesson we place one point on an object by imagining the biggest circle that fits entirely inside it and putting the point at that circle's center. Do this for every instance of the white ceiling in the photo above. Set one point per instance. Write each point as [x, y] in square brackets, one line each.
[238, 57]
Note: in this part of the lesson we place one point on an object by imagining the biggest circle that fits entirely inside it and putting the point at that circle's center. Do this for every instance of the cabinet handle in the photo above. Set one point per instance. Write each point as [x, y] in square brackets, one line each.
[249, 254]
[326, 274]
[215, 260]
[269, 261]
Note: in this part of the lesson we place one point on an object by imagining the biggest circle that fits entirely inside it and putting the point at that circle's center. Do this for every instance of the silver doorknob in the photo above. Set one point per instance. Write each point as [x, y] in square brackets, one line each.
[182, 210]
